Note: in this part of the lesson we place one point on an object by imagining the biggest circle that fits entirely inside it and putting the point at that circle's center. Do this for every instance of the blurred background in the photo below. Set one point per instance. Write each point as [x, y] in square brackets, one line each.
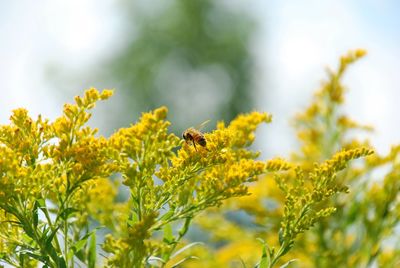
[204, 59]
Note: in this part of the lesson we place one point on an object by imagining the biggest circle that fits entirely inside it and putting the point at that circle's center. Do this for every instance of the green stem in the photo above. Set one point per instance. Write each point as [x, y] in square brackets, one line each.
[139, 203]
[28, 227]
[277, 255]
[46, 213]
[181, 234]
[36, 236]
[66, 241]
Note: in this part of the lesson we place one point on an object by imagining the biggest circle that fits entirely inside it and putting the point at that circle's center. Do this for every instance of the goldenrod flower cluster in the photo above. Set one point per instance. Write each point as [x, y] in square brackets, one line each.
[58, 177]
[47, 172]
[168, 187]
[143, 188]
[325, 211]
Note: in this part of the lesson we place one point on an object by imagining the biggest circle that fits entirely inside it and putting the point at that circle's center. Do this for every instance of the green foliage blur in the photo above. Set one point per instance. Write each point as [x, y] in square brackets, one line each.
[192, 56]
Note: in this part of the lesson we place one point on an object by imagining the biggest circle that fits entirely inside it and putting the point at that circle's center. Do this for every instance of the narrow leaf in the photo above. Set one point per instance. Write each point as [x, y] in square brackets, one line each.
[61, 262]
[167, 215]
[155, 261]
[185, 227]
[92, 250]
[35, 214]
[76, 249]
[38, 257]
[79, 245]
[186, 248]
[264, 258]
[49, 239]
[42, 202]
[287, 264]
[280, 234]
[168, 236]
[183, 260]
[66, 213]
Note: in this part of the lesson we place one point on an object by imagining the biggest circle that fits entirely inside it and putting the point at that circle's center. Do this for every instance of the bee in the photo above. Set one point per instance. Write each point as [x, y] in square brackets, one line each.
[194, 136]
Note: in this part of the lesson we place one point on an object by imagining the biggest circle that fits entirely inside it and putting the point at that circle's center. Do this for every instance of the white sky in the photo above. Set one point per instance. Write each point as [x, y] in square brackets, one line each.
[301, 38]
[296, 40]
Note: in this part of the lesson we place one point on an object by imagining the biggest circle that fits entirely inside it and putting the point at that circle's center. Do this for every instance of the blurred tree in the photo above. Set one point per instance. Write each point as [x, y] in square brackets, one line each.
[192, 56]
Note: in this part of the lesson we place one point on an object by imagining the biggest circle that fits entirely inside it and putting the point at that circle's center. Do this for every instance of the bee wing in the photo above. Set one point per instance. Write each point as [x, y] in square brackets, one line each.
[199, 127]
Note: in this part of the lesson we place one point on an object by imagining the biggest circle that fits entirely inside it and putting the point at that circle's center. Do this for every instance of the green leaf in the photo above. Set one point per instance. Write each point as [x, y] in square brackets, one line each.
[287, 264]
[26, 238]
[281, 238]
[155, 261]
[61, 262]
[51, 250]
[40, 258]
[21, 259]
[81, 255]
[76, 248]
[49, 239]
[185, 227]
[35, 214]
[65, 214]
[10, 209]
[168, 235]
[41, 202]
[183, 260]
[167, 215]
[265, 257]
[27, 229]
[287, 248]
[132, 219]
[45, 231]
[186, 248]
[42, 205]
[92, 250]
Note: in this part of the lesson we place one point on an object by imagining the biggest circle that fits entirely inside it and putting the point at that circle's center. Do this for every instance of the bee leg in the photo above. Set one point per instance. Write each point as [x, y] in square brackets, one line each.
[194, 144]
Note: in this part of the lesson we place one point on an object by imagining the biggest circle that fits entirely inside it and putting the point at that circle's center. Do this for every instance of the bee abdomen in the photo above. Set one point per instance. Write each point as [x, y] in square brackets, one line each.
[202, 141]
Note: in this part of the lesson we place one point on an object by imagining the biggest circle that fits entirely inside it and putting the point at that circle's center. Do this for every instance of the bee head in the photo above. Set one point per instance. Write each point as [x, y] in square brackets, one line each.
[186, 136]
